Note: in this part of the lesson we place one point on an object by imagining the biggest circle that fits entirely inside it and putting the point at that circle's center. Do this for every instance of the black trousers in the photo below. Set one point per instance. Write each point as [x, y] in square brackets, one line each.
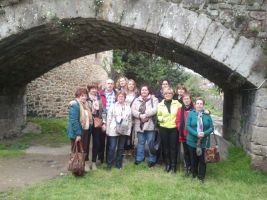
[102, 144]
[129, 141]
[186, 155]
[198, 165]
[86, 135]
[169, 141]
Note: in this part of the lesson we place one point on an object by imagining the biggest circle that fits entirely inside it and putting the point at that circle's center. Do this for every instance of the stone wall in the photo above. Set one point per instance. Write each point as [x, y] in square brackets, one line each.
[245, 122]
[245, 16]
[49, 95]
[12, 111]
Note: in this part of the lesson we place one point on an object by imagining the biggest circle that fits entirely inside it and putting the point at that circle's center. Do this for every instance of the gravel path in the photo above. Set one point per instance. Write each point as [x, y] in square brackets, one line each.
[40, 163]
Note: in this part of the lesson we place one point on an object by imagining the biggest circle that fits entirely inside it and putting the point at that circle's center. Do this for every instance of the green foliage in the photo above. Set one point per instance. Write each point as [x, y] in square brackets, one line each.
[230, 179]
[146, 68]
[213, 110]
[53, 133]
[192, 84]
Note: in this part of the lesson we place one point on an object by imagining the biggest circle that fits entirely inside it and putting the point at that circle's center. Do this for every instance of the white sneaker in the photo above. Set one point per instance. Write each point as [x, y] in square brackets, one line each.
[93, 166]
[87, 169]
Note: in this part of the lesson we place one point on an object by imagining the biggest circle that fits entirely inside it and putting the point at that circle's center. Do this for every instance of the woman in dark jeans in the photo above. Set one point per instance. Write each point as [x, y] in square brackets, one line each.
[95, 105]
[181, 117]
[199, 126]
[119, 115]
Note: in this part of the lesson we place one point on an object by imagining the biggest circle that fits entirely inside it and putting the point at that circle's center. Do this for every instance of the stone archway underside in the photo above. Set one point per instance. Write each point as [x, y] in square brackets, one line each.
[34, 52]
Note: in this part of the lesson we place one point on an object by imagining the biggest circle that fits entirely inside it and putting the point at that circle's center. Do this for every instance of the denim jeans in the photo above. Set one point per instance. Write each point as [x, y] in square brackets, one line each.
[144, 137]
[116, 141]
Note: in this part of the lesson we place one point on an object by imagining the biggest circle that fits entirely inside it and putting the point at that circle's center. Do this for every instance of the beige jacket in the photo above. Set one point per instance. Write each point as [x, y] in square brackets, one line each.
[115, 113]
[151, 111]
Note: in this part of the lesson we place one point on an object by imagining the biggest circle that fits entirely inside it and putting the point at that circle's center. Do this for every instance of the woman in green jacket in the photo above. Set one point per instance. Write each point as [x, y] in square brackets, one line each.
[199, 126]
[166, 114]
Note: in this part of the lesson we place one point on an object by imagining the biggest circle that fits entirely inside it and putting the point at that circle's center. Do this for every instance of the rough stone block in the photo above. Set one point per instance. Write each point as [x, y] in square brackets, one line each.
[247, 64]
[185, 21]
[170, 24]
[259, 134]
[198, 31]
[157, 17]
[261, 98]
[256, 78]
[239, 52]
[113, 11]
[258, 15]
[137, 14]
[223, 48]
[212, 37]
[259, 117]
[255, 148]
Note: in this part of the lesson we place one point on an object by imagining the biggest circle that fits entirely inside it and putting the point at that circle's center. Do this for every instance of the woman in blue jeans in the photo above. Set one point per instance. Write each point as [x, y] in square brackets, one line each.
[119, 123]
[144, 109]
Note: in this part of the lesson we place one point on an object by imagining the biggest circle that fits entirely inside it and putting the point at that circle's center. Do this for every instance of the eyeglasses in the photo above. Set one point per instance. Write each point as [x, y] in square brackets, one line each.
[168, 93]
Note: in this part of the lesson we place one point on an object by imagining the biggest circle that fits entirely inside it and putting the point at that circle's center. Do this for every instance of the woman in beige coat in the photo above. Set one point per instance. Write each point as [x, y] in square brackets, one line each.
[119, 123]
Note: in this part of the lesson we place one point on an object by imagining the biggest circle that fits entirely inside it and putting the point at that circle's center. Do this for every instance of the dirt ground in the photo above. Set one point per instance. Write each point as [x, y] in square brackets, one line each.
[40, 163]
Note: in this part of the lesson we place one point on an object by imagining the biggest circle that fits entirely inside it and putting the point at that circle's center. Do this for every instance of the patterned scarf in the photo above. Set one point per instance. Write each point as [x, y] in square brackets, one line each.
[199, 122]
[83, 107]
[142, 110]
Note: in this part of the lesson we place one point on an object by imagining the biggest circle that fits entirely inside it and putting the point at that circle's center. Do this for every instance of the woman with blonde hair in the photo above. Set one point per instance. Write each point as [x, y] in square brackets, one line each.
[166, 115]
[121, 84]
[132, 94]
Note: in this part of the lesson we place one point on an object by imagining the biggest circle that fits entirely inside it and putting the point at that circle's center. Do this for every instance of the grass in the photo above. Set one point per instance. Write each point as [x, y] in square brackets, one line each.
[230, 179]
[53, 133]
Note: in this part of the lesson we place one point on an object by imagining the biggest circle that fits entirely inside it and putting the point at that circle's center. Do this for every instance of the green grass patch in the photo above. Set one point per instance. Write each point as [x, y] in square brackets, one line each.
[230, 179]
[53, 133]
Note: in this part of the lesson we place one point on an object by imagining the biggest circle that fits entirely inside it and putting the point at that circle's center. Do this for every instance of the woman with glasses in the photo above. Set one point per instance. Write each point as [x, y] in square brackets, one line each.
[166, 114]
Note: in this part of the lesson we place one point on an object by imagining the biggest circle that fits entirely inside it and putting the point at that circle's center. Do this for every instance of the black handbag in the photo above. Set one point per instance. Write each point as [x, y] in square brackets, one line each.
[154, 145]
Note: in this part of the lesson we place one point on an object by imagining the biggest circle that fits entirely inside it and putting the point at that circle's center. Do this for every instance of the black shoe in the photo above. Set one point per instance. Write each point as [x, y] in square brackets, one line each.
[173, 169]
[187, 172]
[137, 162]
[151, 164]
[167, 168]
[201, 181]
[108, 168]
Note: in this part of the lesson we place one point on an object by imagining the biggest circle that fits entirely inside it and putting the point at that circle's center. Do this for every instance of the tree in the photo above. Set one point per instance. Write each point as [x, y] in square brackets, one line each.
[146, 68]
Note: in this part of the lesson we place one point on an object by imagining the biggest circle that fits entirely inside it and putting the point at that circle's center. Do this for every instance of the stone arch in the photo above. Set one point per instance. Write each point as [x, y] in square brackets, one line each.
[37, 36]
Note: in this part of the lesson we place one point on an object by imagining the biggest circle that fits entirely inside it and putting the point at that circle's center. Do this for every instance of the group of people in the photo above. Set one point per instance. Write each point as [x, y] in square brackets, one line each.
[125, 118]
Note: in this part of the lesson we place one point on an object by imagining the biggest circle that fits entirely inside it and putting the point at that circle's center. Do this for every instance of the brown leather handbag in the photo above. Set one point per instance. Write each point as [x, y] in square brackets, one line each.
[212, 154]
[77, 160]
[98, 122]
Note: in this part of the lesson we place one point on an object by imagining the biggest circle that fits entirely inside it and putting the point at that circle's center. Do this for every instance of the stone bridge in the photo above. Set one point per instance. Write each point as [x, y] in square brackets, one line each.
[38, 35]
